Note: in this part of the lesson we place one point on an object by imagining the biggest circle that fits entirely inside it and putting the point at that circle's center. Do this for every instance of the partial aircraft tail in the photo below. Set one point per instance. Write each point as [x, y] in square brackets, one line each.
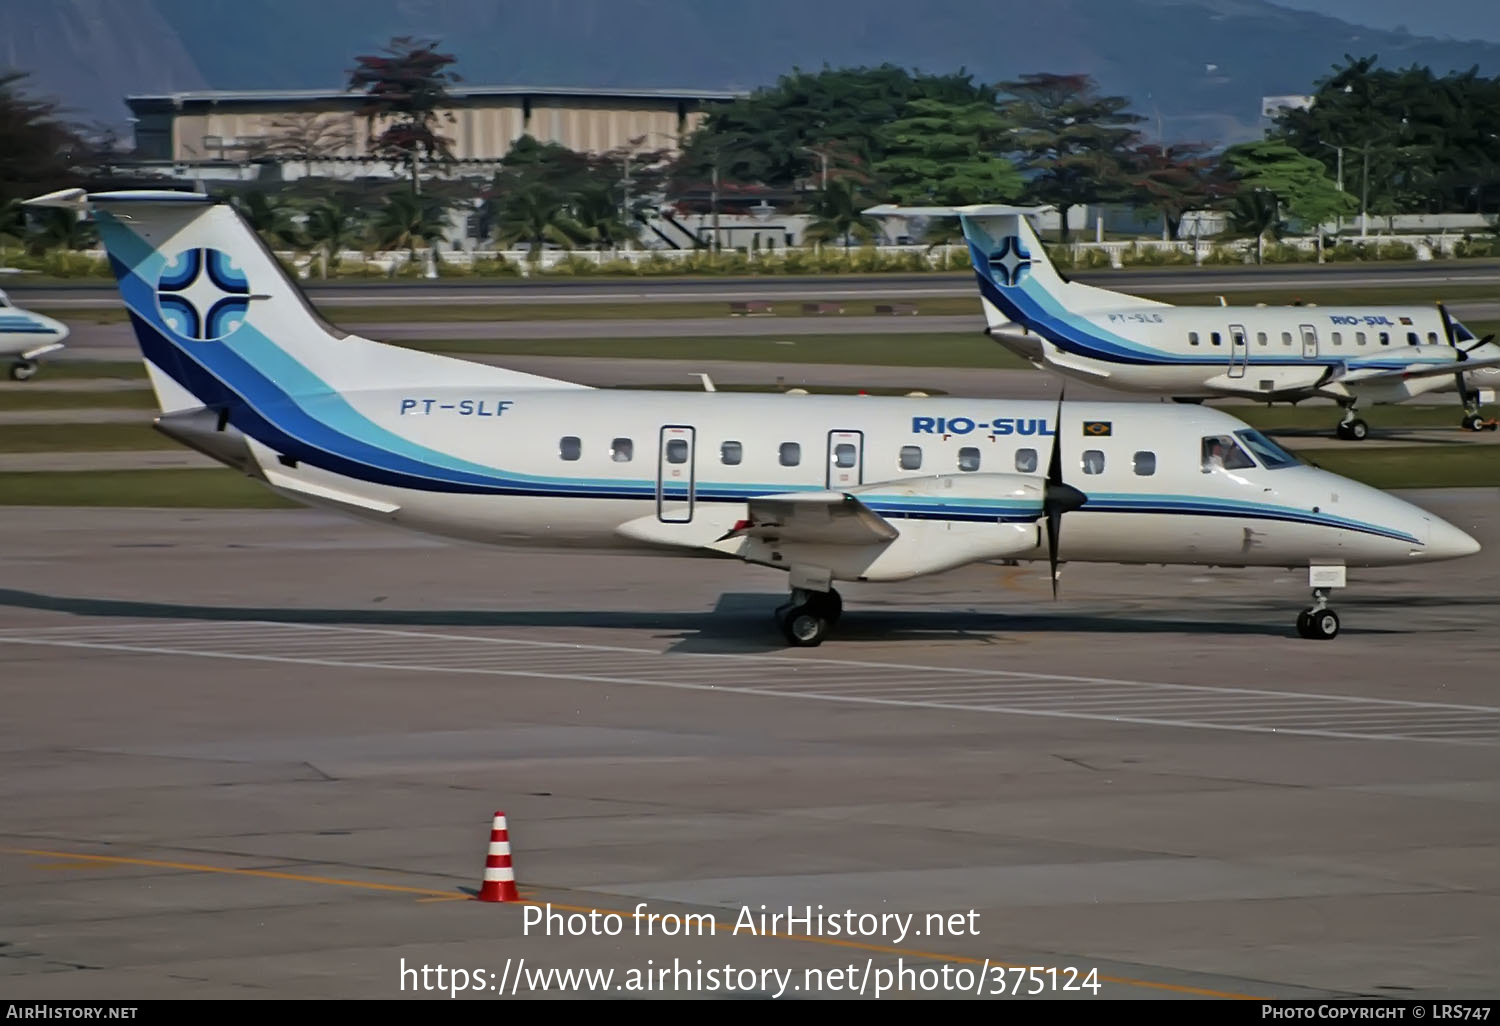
[1018, 284]
[220, 323]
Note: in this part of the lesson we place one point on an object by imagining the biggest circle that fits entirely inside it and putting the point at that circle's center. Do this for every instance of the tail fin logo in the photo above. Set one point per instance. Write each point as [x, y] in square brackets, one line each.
[202, 295]
[1011, 262]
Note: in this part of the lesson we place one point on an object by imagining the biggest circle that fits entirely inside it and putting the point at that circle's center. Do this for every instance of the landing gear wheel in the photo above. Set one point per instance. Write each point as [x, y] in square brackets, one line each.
[1473, 422]
[22, 370]
[827, 604]
[804, 627]
[1318, 624]
[1354, 430]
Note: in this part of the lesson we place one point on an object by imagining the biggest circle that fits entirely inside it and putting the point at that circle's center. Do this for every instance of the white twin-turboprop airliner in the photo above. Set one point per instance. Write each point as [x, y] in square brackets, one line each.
[1368, 355]
[827, 488]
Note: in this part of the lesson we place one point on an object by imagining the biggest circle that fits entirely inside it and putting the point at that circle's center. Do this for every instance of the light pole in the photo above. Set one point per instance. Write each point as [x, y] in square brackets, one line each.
[1338, 218]
[823, 159]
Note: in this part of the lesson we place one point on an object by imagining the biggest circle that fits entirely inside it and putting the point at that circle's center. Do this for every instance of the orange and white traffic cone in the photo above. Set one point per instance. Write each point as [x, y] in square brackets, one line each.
[499, 876]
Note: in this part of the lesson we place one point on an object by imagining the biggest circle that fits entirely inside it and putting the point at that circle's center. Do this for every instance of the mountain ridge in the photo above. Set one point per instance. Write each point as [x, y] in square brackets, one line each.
[1194, 68]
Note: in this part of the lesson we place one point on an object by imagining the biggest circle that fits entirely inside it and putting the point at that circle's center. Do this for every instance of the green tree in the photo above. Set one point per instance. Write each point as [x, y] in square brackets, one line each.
[269, 216]
[408, 220]
[838, 213]
[766, 136]
[39, 150]
[406, 89]
[943, 153]
[54, 228]
[1175, 179]
[1409, 140]
[334, 225]
[1071, 142]
[1256, 213]
[1300, 183]
[536, 215]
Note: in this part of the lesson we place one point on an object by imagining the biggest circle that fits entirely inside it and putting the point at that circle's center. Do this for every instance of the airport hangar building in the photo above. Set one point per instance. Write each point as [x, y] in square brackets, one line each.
[290, 127]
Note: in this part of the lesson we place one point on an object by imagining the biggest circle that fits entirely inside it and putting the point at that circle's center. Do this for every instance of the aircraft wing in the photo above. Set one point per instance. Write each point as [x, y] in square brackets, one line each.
[830, 517]
[1424, 370]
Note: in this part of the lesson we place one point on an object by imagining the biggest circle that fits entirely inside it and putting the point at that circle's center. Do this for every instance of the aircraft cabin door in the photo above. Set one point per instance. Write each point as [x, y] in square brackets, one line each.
[846, 458]
[1239, 350]
[676, 486]
[1309, 342]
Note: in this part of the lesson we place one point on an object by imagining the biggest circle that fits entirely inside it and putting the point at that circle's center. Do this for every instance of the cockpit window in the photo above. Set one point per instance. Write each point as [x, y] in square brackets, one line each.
[1461, 333]
[1220, 452]
[4, 300]
[1271, 455]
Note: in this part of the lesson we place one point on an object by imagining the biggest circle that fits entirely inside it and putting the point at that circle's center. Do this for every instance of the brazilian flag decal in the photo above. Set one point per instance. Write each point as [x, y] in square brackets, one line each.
[1096, 428]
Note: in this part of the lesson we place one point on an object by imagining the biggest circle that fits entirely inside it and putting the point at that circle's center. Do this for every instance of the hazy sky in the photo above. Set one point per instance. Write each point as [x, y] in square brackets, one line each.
[1457, 19]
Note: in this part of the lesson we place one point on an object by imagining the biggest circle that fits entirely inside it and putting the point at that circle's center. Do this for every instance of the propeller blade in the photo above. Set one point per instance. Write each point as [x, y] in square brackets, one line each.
[1058, 497]
[1482, 342]
[1447, 324]
[1054, 530]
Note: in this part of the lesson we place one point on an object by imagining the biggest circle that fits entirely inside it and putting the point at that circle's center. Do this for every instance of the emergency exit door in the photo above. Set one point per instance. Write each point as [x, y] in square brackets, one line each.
[846, 458]
[676, 485]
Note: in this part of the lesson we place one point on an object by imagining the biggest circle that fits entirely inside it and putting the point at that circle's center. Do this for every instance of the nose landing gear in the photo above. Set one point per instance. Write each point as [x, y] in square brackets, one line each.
[1318, 622]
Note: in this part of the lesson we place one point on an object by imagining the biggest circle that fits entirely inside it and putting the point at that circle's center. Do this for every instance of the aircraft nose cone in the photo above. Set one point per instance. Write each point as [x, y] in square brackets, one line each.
[1444, 541]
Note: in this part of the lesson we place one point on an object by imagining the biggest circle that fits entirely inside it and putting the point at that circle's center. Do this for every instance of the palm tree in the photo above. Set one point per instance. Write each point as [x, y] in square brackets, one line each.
[54, 228]
[536, 215]
[332, 225]
[838, 213]
[408, 219]
[1256, 212]
[269, 216]
[598, 214]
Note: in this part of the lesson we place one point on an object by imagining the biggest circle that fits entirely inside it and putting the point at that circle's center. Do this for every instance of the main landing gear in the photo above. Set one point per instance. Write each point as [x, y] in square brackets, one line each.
[1473, 420]
[809, 616]
[1318, 622]
[1351, 428]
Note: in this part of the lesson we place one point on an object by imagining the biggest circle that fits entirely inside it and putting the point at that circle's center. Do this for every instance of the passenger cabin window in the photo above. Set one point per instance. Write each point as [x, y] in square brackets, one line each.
[1412, 339]
[731, 453]
[1260, 337]
[1221, 452]
[621, 450]
[1432, 338]
[1093, 461]
[1359, 337]
[911, 457]
[1385, 338]
[677, 450]
[1214, 337]
[1286, 338]
[968, 458]
[1025, 461]
[791, 454]
[570, 448]
[843, 455]
[1192, 338]
[1338, 338]
[1144, 464]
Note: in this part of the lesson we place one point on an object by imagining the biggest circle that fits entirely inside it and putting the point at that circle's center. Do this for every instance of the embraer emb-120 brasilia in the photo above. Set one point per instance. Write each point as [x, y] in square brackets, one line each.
[1353, 355]
[827, 488]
